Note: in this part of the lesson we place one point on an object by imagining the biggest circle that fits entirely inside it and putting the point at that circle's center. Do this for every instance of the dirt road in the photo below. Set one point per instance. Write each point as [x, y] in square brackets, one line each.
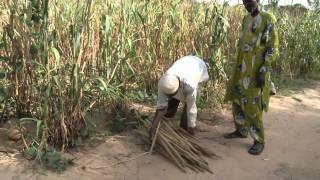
[292, 152]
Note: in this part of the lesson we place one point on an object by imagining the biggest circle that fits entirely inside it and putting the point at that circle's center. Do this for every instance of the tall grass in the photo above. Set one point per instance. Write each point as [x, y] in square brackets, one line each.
[59, 58]
[300, 41]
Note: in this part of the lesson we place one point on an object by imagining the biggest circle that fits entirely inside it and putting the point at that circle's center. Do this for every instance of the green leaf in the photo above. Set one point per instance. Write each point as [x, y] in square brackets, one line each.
[76, 78]
[2, 75]
[56, 54]
[2, 45]
[3, 58]
[55, 161]
[76, 44]
[39, 123]
[103, 83]
[57, 82]
[30, 153]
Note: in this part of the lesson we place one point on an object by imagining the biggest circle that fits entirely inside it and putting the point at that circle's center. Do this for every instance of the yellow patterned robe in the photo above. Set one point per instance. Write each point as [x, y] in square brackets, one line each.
[257, 50]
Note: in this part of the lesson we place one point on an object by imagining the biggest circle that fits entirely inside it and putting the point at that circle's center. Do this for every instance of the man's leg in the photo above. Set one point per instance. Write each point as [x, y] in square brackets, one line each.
[239, 123]
[184, 121]
[184, 118]
[255, 126]
[173, 105]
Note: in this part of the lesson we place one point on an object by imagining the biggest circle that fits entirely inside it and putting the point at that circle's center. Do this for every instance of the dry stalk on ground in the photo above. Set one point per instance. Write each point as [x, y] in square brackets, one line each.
[179, 147]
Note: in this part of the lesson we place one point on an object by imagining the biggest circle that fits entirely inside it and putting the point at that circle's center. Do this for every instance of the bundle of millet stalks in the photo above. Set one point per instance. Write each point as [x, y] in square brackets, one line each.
[178, 146]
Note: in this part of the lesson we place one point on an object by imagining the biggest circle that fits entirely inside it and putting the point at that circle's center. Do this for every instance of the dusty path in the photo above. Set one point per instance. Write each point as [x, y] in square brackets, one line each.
[292, 150]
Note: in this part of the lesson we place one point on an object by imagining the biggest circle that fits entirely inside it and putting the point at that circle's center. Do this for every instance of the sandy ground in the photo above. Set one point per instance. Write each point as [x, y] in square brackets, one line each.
[292, 152]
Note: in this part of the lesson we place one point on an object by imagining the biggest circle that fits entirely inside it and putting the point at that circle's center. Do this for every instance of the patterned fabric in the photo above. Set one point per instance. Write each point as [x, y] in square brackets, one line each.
[257, 50]
[249, 121]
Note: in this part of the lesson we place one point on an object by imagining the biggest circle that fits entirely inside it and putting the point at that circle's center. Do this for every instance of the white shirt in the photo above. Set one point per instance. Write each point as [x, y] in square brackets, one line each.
[191, 71]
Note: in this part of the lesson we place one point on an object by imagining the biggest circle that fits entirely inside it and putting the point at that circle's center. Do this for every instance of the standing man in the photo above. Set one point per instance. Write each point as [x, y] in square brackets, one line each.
[179, 84]
[249, 86]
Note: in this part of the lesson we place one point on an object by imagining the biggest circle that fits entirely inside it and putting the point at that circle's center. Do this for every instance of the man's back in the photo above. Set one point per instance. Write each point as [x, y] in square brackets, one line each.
[190, 70]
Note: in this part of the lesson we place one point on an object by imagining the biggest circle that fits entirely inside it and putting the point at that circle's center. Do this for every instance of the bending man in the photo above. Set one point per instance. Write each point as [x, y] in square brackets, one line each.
[179, 84]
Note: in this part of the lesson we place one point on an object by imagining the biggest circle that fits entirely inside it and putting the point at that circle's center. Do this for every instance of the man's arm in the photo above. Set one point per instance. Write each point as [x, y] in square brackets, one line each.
[271, 40]
[161, 110]
[273, 43]
[156, 120]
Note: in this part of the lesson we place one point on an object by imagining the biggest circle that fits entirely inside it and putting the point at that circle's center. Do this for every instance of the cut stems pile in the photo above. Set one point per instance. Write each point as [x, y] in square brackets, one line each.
[179, 147]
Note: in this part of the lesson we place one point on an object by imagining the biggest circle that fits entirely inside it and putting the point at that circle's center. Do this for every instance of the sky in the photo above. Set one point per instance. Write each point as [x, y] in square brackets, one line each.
[281, 2]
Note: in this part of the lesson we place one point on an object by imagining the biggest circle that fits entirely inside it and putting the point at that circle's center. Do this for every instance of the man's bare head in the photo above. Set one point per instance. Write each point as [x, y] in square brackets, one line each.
[251, 6]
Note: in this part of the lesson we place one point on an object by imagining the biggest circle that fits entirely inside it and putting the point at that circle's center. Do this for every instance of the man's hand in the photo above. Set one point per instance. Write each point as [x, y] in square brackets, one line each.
[261, 77]
[156, 120]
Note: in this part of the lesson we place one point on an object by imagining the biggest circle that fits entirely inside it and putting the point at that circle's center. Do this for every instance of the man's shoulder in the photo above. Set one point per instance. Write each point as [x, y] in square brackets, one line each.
[191, 57]
[246, 16]
[188, 61]
[268, 15]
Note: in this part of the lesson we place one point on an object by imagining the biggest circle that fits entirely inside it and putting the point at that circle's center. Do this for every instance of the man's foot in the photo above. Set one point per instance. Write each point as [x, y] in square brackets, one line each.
[184, 126]
[256, 148]
[191, 131]
[188, 130]
[235, 134]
